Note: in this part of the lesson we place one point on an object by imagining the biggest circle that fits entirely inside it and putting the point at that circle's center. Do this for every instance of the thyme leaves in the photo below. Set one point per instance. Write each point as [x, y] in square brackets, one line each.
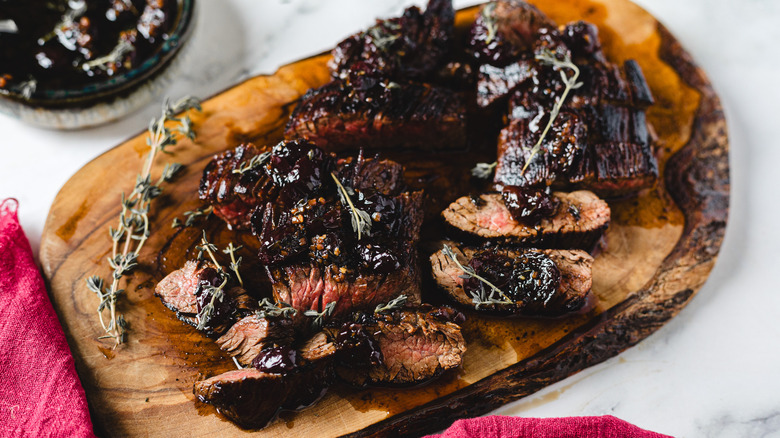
[269, 309]
[133, 226]
[256, 162]
[361, 220]
[319, 317]
[394, 304]
[480, 297]
[484, 170]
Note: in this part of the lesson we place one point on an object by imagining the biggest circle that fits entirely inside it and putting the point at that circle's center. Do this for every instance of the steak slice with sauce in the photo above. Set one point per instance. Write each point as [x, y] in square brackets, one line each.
[571, 294]
[251, 334]
[579, 221]
[182, 292]
[252, 397]
[388, 115]
[403, 348]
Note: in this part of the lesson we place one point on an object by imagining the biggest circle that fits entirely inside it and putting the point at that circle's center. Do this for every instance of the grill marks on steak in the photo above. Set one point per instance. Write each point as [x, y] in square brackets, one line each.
[600, 140]
[339, 116]
[578, 222]
[572, 295]
[416, 345]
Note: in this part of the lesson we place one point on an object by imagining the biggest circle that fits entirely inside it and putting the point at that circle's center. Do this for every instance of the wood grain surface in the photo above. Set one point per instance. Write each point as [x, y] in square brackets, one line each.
[659, 251]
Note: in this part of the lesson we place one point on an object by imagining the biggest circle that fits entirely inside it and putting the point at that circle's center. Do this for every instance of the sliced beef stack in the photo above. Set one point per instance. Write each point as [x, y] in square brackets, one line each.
[381, 95]
[338, 232]
[599, 140]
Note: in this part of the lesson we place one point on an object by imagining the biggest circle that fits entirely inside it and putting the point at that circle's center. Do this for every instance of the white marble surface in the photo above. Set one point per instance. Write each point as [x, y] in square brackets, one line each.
[713, 371]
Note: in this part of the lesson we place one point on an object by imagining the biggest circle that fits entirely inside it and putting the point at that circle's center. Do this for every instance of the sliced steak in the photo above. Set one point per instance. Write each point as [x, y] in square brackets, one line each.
[185, 292]
[251, 334]
[248, 397]
[177, 289]
[578, 221]
[313, 287]
[388, 115]
[403, 348]
[534, 283]
[413, 46]
[281, 378]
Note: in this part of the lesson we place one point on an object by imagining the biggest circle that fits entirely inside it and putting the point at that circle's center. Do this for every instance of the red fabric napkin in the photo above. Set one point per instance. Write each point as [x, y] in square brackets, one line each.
[40, 392]
[571, 427]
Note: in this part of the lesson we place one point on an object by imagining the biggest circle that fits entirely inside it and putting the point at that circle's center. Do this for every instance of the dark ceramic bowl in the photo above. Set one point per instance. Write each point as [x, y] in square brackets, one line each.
[109, 99]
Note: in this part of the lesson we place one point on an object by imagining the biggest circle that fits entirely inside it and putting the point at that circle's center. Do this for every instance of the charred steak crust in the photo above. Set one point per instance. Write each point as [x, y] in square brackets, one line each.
[579, 221]
[416, 346]
[388, 115]
[412, 46]
[573, 295]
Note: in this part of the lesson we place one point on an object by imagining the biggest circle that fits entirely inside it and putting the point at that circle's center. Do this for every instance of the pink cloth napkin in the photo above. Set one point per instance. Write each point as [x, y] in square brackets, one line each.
[40, 392]
[570, 427]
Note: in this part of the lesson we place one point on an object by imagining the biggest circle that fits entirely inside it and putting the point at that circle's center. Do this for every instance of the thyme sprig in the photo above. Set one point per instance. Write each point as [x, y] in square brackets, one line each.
[361, 220]
[482, 297]
[217, 292]
[396, 303]
[490, 23]
[384, 34]
[133, 229]
[113, 57]
[192, 216]
[270, 309]
[570, 83]
[319, 317]
[484, 170]
[256, 162]
[234, 263]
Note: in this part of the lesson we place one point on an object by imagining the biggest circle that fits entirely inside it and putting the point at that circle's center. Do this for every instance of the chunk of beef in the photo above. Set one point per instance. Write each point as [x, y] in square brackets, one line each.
[413, 46]
[534, 283]
[578, 221]
[251, 334]
[387, 115]
[402, 348]
[504, 30]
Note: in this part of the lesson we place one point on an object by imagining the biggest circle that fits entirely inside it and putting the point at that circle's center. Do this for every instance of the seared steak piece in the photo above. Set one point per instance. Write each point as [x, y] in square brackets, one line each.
[413, 46]
[248, 397]
[313, 287]
[238, 182]
[251, 334]
[578, 221]
[281, 378]
[339, 116]
[504, 30]
[185, 291]
[532, 283]
[495, 83]
[402, 348]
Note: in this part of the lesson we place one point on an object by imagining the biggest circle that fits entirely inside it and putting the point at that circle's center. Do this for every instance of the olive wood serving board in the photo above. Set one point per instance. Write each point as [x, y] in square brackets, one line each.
[659, 251]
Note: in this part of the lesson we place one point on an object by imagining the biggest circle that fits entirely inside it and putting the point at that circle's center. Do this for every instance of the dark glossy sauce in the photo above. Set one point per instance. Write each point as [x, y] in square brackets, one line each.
[57, 44]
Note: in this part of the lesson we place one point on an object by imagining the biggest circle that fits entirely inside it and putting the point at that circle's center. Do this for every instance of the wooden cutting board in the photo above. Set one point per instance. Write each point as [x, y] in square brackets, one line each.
[660, 249]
